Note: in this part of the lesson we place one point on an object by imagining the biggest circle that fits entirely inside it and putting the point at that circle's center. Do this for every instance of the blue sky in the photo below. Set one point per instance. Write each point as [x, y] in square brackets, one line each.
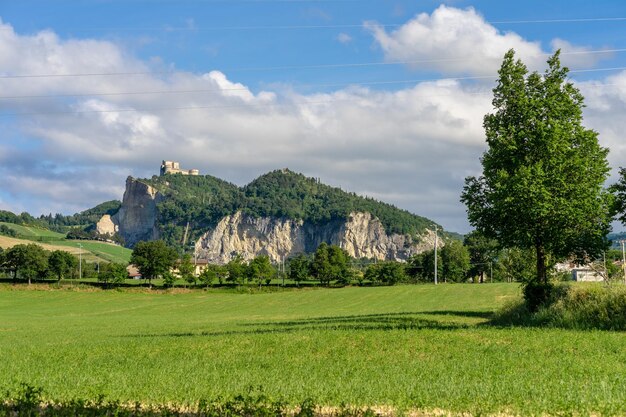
[381, 97]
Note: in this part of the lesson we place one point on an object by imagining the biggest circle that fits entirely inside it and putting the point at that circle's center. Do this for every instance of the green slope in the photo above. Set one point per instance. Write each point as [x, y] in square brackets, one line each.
[33, 232]
[106, 251]
[202, 201]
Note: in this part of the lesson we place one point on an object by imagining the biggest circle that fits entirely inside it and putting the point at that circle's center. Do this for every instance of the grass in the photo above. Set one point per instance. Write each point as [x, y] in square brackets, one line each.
[33, 232]
[406, 347]
[107, 251]
[93, 251]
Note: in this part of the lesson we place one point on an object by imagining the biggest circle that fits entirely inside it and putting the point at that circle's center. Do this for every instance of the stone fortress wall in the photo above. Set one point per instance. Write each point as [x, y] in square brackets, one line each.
[172, 167]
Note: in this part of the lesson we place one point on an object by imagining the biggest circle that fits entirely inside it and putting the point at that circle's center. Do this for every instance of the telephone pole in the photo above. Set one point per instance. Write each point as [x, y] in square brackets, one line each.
[622, 241]
[436, 238]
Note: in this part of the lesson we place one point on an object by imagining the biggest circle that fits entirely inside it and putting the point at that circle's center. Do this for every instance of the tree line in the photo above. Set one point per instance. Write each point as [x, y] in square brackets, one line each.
[29, 262]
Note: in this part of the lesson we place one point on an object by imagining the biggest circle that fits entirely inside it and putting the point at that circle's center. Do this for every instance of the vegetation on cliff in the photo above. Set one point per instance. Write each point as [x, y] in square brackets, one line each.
[202, 201]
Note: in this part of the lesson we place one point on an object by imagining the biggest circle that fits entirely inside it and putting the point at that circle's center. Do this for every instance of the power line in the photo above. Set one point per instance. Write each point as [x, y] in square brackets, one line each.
[327, 85]
[259, 105]
[291, 67]
[337, 26]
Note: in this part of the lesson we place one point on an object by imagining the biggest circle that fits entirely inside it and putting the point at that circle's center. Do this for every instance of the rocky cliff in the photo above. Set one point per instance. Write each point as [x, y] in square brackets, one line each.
[222, 220]
[136, 218]
[361, 235]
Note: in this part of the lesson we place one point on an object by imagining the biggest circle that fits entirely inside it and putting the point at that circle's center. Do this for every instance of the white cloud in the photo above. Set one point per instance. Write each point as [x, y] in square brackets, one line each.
[411, 147]
[605, 102]
[344, 38]
[457, 41]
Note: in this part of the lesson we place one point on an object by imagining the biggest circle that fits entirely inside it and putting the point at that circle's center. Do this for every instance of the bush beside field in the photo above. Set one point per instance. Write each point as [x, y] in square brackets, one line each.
[580, 307]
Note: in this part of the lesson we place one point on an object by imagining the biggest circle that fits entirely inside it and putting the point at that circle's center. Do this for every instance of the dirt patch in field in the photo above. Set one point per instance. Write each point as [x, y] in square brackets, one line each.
[8, 242]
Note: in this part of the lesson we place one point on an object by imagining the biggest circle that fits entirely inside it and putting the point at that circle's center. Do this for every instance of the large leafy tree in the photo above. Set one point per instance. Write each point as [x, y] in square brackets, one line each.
[187, 269]
[330, 263]
[456, 261]
[483, 253]
[299, 267]
[260, 270]
[153, 259]
[27, 261]
[543, 171]
[62, 263]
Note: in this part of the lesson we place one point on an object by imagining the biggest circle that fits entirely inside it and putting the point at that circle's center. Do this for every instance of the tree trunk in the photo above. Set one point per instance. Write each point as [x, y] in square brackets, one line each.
[542, 273]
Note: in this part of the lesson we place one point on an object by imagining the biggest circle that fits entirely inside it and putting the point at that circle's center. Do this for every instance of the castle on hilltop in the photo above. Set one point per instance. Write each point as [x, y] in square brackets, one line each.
[172, 167]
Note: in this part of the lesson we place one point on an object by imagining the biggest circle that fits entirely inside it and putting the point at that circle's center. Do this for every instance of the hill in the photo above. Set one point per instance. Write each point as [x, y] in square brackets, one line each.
[189, 205]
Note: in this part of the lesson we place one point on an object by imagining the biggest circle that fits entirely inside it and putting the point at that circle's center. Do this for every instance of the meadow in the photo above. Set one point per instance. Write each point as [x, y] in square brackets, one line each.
[92, 250]
[405, 347]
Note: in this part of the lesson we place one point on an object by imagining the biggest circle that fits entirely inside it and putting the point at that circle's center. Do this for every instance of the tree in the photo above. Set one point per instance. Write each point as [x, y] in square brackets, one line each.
[2, 260]
[483, 252]
[456, 261]
[428, 265]
[388, 272]
[543, 172]
[27, 261]
[61, 263]
[112, 273]
[330, 262]
[236, 268]
[186, 268]
[211, 273]
[619, 191]
[299, 268]
[260, 269]
[153, 259]
[515, 264]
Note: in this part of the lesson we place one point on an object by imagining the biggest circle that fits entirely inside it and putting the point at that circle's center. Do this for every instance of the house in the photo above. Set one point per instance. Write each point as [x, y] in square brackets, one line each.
[583, 273]
[133, 272]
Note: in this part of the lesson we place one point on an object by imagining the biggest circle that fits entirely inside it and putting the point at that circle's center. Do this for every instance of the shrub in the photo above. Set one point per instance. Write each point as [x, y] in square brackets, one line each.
[572, 307]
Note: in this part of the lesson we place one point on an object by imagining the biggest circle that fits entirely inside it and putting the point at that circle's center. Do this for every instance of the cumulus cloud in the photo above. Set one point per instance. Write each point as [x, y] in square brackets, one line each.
[605, 103]
[460, 41]
[411, 147]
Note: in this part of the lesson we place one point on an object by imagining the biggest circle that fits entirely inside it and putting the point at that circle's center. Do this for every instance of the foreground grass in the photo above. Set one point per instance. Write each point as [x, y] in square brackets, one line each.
[407, 347]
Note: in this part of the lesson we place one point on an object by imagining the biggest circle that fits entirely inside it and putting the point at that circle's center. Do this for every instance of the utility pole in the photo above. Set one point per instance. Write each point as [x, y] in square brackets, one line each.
[436, 238]
[80, 262]
[622, 241]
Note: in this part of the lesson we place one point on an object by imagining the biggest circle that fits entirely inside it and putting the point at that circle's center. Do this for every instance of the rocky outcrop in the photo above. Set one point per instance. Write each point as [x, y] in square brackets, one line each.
[106, 226]
[249, 237]
[136, 218]
[362, 235]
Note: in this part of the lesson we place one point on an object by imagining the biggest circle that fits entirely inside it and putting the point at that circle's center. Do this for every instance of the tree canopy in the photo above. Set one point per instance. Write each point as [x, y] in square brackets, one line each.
[153, 259]
[543, 171]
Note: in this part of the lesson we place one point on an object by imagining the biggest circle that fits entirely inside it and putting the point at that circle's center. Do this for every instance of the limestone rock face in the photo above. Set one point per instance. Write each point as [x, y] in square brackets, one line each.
[106, 226]
[136, 218]
[362, 235]
[249, 236]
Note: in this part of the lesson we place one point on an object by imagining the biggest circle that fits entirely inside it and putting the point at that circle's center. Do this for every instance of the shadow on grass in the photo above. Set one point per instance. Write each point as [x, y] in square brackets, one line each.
[364, 322]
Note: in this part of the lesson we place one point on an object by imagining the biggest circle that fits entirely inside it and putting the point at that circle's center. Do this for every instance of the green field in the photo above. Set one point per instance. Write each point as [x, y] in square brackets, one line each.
[95, 251]
[107, 251]
[34, 232]
[408, 347]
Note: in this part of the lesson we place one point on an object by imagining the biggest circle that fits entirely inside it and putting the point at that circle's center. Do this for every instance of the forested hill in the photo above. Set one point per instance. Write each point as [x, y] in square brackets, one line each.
[283, 193]
[202, 201]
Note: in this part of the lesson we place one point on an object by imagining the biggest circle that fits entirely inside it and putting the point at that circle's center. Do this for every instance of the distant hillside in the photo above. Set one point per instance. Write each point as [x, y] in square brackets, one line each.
[202, 201]
[283, 193]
